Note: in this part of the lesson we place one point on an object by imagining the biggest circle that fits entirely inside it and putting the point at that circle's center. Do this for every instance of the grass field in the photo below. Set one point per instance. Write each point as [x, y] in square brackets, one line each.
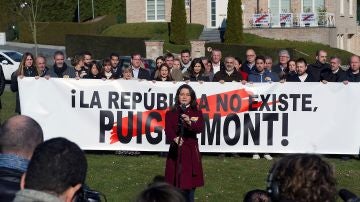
[121, 178]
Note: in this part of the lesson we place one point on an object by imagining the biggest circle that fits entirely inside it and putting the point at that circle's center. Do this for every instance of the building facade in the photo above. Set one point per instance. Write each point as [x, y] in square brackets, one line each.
[332, 22]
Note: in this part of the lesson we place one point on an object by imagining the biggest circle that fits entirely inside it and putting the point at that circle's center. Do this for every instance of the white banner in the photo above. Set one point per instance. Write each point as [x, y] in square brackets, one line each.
[264, 118]
[261, 19]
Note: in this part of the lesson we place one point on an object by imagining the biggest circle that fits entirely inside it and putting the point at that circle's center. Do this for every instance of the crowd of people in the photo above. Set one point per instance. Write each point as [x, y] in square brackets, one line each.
[32, 169]
[23, 153]
[255, 68]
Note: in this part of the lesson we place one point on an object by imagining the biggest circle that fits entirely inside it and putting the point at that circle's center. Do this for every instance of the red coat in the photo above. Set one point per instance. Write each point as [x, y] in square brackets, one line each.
[190, 172]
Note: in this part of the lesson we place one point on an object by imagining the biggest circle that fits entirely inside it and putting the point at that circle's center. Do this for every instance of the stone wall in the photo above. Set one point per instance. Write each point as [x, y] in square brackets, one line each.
[135, 11]
[315, 34]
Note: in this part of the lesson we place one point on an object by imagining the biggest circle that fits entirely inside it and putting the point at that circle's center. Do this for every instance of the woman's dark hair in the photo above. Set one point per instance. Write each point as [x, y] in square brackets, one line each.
[97, 67]
[77, 58]
[238, 60]
[291, 60]
[169, 78]
[20, 70]
[159, 58]
[193, 103]
[192, 65]
[304, 177]
[106, 61]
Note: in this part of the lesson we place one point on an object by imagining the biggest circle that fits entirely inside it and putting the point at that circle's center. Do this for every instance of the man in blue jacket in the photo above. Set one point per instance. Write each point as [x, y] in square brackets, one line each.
[260, 74]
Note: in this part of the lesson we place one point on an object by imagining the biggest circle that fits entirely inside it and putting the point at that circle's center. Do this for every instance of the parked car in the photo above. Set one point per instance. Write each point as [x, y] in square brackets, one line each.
[9, 61]
[125, 61]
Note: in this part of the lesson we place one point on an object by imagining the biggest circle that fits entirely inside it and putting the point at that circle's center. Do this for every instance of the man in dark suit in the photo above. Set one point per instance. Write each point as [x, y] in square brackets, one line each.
[115, 64]
[2, 83]
[137, 71]
[249, 64]
[334, 73]
[301, 74]
[319, 65]
[281, 69]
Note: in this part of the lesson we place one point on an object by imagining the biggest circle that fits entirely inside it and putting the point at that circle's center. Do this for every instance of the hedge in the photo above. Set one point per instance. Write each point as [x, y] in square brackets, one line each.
[53, 33]
[240, 50]
[102, 46]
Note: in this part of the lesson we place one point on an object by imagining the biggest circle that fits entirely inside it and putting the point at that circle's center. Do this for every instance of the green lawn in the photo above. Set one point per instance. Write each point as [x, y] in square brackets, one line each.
[121, 178]
[8, 105]
[226, 179]
[153, 31]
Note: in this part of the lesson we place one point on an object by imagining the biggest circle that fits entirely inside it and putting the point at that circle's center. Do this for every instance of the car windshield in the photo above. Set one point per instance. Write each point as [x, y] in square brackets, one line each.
[16, 56]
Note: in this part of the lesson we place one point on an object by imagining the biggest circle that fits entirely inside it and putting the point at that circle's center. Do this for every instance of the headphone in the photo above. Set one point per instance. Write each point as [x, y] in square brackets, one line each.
[272, 185]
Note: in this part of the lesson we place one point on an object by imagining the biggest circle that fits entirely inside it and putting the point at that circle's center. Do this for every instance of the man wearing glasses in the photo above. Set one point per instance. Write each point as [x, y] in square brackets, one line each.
[249, 64]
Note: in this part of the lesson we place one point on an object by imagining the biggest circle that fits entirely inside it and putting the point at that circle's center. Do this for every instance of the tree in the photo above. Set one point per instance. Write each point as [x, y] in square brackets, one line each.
[178, 22]
[29, 11]
[234, 23]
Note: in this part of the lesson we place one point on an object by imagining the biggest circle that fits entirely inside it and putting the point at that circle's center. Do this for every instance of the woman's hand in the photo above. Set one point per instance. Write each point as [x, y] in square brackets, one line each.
[179, 141]
[186, 119]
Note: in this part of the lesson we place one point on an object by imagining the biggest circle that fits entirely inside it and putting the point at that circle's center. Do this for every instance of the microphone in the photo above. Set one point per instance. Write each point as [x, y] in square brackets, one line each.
[348, 196]
[183, 107]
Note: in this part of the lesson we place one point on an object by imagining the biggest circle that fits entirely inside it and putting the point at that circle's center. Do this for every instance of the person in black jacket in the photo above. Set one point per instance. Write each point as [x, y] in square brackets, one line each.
[115, 64]
[60, 69]
[229, 74]
[353, 74]
[301, 74]
[282, 67]
[319, 65]
[26, 69]
[196, 71]
[216, 62]
[138, 71]
[40, 63]
[334, 73]
[2, 84]
[19, 136]
[249, 64]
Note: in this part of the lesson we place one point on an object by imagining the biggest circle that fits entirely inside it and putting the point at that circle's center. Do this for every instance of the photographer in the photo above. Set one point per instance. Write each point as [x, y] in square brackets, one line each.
[56, 172]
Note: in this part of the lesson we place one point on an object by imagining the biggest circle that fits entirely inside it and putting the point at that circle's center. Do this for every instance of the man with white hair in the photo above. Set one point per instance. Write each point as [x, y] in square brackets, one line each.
[281, 67]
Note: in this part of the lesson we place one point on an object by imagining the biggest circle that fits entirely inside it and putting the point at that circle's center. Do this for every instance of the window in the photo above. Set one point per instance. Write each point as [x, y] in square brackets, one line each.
[351, 8]
[155, 10]
[276, 7]
[312, 6]
[213, 13]
[2, 58]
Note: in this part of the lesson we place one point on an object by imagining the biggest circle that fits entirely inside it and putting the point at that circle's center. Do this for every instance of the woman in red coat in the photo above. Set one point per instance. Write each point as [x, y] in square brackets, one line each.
[183, 164]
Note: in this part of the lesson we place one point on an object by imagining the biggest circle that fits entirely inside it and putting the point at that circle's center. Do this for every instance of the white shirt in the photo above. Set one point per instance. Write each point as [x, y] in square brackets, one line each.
[303, 77]
[216, 67]
[135, 72]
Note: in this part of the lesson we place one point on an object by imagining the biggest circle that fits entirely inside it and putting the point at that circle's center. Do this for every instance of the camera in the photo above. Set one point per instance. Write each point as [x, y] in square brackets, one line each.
[348, 196]
[85, 194]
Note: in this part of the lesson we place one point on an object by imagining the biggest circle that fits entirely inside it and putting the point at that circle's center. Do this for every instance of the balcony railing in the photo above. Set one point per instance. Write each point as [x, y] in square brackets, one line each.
[268, 20]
